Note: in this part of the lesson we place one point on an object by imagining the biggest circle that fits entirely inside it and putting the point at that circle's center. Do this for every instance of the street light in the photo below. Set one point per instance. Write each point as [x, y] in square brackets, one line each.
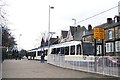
[19, 40]
[74, 21]
[50, 7]
[51, 33]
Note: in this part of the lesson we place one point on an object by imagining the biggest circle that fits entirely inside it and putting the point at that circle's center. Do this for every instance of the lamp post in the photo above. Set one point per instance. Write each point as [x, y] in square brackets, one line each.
[74, 21]
[50, 7]
[19, 41]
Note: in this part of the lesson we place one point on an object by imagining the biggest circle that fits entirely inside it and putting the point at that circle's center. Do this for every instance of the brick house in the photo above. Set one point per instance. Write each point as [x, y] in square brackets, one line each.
[112, 39]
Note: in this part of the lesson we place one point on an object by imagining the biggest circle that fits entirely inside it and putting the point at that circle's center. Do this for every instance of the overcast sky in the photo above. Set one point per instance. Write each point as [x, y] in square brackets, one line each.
[30, 17]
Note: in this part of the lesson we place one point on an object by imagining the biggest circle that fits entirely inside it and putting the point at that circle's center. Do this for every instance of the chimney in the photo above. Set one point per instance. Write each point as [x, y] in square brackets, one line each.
[116, 18]
[78, 28]
[109, 20]
[89, 27]
[57, 39]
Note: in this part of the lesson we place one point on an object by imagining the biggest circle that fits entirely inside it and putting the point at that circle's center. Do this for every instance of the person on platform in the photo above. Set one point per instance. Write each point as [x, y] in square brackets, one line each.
[42, 57]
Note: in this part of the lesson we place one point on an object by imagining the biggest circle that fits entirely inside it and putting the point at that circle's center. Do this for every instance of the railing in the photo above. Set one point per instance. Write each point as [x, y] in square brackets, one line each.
[101, 65]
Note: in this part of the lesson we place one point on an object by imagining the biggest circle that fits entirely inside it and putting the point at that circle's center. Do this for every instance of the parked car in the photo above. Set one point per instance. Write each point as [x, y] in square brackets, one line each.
[109, 61]
[24, 57]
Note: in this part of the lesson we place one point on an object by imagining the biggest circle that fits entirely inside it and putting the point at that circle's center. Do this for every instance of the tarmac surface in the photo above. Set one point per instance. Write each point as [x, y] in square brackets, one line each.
[36, 69]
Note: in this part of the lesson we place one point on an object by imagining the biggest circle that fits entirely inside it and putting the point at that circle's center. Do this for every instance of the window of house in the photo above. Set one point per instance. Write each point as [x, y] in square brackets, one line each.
[99, 51]
[65, 39]
[109, 47]
[117, 46]
[84, 39]
[84, 33]
[118, 33]
[110, 34]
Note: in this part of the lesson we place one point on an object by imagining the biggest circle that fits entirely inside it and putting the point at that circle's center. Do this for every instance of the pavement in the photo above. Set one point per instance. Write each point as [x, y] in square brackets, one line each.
[36, 69]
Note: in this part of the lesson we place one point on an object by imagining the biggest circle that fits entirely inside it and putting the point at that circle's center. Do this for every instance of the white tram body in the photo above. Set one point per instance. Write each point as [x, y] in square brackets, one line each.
[72, 51]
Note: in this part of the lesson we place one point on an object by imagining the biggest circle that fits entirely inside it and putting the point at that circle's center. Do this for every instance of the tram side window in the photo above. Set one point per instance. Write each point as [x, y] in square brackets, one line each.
[39, 53]
[58, 50]
[78, 49]
[72, 50]
[66, 50]
[62, 50]
[33, 54]
[53, 51]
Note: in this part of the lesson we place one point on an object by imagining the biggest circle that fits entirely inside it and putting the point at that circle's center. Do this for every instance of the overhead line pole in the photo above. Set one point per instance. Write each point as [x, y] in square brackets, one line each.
[50, 7]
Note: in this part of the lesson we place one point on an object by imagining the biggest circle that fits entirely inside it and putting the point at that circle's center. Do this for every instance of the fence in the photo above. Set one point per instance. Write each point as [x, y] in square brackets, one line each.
[102, 65]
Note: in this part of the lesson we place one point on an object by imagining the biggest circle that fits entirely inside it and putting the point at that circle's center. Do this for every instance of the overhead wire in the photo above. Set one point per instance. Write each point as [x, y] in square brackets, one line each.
[93, 16]
[98, 14]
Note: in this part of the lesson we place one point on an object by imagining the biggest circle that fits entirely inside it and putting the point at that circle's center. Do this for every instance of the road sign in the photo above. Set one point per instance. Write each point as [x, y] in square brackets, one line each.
[98, 33]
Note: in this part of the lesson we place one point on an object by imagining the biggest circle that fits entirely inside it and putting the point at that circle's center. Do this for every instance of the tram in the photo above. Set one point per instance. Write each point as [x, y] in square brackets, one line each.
[72, 49]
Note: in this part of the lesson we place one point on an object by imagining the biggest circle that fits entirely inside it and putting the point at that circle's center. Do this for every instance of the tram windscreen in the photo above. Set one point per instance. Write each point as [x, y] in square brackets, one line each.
[88, 49]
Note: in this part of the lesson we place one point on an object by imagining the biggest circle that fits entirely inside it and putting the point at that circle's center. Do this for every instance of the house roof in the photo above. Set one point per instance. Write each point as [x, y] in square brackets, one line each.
[106, 25]
[83, 28]
[64, 34]
[73, 30]
[42, 42]
[53, 41]
[78, 34]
